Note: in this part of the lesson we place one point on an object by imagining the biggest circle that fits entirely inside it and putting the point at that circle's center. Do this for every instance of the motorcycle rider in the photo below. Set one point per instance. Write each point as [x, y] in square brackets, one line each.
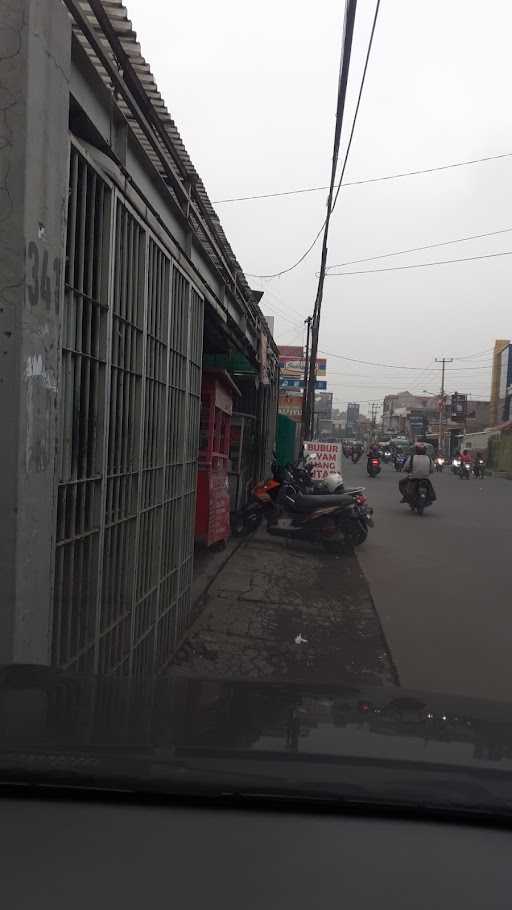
[479, 465]
[373, 452]
[465, 460]
[357, 451]
[418, 466]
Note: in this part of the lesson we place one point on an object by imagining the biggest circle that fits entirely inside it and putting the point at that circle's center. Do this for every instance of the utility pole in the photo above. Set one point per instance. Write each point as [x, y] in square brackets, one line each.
[307, 322]
[350, 13]
[444, 361]
[374, 406]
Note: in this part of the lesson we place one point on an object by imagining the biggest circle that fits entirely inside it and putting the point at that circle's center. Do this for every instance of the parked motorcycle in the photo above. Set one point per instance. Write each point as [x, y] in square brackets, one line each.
[419, 494]
[248, 519]
[338, 522]
[273, 497]
[373, 466]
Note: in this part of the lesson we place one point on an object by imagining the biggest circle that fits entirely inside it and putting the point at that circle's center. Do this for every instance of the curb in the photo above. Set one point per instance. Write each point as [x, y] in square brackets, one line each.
[202, 583]
[199, 590]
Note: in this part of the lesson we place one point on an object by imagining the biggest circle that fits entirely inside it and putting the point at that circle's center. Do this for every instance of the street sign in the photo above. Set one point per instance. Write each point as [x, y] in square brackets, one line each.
[328, 457]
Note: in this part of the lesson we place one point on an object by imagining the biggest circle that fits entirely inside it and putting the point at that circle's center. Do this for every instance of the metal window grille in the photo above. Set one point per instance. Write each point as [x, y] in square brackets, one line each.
[82, 403]
[129, 421]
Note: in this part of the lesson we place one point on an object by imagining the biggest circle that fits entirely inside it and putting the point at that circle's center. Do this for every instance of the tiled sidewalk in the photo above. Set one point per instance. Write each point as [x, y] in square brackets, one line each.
[279, 611]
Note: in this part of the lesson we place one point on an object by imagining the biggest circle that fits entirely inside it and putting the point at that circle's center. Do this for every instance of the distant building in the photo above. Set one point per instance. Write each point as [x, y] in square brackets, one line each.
[353, 417]
[397, 409]
[500, 381]
[323, 405]
[478, 417]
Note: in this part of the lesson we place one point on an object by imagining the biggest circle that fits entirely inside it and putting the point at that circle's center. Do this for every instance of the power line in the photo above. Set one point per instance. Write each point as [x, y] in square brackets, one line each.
[477, 354]
[281, 315]
[316, 189]
[393, 366]
[420, 265]
[417, 249]
[359, 96]
[329, 209]
[295, 264]
[485, 366]
[371, 363]
[370, 400]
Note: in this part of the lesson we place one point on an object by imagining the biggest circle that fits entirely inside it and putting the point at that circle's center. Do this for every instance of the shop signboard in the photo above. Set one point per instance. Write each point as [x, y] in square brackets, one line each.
[320, 384]
[328, 457]
[506, 372]
[291, 352]
[293, 367]
[291, 406]
[459, 406]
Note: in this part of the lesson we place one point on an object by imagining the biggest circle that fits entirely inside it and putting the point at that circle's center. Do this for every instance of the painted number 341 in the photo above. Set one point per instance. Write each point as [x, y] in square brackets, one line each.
[43, 283]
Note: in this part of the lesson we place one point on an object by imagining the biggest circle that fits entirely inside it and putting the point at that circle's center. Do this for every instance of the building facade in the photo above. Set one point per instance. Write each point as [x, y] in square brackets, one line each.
[117, 283]
[500, 382]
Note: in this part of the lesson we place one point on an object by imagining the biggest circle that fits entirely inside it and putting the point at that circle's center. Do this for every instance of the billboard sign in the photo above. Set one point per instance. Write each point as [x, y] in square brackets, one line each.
[299, 384]
[505, 372]
[459, 406]
[293, 367]
[291, 406]
[291, 352]
[328, 457]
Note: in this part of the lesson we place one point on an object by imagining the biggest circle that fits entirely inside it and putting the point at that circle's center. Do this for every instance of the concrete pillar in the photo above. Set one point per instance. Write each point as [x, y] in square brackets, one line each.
[35, 48]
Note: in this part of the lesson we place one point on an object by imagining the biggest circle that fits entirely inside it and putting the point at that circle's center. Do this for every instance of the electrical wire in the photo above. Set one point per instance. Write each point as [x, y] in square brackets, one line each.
[420, 265]
[316, 189]
[395, 366]
[359, 96]
[372, 363]
[295, 264]
[326, 219]
[478, 354]
[417, 249]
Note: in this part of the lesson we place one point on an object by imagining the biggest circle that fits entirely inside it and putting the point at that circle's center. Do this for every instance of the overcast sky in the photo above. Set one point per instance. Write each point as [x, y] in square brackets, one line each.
[252, 88]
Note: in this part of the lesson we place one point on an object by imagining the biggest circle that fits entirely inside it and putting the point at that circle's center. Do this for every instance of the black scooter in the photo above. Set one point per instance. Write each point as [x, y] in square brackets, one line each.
[419, 494]
[373, 466]
[338, 522]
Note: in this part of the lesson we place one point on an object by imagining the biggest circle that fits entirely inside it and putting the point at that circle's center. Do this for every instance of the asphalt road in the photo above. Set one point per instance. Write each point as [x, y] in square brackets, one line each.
[441, 583]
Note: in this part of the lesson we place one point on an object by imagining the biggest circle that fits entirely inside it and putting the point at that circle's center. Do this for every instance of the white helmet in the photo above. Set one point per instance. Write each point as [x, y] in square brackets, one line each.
[334, 483]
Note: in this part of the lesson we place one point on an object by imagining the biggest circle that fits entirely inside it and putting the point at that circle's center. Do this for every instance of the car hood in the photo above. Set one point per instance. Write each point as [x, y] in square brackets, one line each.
[370, 746]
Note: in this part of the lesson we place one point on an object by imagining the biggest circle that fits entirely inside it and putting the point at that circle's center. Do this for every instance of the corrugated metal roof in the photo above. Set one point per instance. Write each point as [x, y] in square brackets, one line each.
[112, 31]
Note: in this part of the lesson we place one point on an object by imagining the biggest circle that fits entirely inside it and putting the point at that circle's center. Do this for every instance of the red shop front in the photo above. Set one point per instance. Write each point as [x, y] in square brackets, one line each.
[212, 505]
